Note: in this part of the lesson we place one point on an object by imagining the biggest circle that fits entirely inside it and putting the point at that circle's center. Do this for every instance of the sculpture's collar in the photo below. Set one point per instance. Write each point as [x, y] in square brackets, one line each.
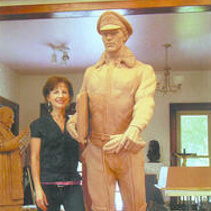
[126, 58]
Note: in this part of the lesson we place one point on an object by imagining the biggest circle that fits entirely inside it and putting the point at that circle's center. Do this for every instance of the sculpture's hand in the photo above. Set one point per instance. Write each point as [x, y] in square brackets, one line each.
[25, 131]
[131, 140]
[113, 144]
[71, 128]
[41, 199]
[24, 139]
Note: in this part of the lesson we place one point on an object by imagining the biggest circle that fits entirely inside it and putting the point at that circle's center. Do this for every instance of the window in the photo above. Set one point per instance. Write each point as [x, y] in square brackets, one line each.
[193, 137]
[190, 126]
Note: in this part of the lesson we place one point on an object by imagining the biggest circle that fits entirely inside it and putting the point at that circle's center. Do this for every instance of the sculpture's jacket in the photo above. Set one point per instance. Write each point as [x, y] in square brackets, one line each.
[120, 95]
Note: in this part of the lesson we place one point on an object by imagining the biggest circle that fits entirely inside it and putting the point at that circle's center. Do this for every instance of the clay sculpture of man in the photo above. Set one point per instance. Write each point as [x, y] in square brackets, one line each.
[11, 176]
[120, 92]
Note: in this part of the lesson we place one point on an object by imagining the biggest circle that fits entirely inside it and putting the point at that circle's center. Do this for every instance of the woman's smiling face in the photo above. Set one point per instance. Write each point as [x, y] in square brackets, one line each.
[59, 97]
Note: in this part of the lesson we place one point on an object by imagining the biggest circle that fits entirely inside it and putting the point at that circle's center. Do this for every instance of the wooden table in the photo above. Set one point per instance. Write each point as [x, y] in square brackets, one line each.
[186, 183]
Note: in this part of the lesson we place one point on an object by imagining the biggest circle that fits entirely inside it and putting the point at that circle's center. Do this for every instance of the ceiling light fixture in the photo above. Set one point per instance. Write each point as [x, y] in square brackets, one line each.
[54, 57]
[65, 56]
[166, 84]
[60, 49]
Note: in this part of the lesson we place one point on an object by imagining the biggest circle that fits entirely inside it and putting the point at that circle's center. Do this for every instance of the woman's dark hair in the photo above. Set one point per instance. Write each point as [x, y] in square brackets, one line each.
[52, 82]
[153, 151]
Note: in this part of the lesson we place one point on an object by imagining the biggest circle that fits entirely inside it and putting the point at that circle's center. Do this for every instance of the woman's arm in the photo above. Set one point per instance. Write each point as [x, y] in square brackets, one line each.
[41, 199]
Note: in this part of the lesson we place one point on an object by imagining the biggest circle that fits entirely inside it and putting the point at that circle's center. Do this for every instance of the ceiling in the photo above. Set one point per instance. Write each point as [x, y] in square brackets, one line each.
[24, 44]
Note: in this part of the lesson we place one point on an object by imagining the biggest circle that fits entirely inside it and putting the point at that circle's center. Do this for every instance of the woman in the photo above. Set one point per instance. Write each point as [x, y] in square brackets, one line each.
[54, 154]
[11, 172]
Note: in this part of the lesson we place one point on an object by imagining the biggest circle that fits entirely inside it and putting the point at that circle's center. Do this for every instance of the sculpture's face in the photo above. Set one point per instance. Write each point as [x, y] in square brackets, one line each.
[59, 97]
[8, 119]
[113, 40]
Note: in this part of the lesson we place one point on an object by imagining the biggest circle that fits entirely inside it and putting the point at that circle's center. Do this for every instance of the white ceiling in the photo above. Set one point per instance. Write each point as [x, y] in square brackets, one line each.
[24, 43]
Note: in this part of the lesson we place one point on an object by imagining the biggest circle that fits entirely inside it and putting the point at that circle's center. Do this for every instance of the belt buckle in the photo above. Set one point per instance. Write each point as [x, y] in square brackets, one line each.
[60, 186]
[104, 137]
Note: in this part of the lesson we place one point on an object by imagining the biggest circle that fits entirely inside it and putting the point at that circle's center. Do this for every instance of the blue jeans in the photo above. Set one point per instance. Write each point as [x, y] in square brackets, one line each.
[71, 197]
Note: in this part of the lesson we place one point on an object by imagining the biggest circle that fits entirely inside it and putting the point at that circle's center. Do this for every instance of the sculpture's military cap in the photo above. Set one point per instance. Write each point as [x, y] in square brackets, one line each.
[111, 20]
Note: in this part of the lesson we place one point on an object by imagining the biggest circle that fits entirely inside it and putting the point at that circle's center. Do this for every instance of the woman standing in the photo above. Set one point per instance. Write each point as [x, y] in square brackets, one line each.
[54, 154]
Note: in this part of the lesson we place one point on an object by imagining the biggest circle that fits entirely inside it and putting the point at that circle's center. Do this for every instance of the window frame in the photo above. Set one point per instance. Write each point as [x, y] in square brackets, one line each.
[174, 109]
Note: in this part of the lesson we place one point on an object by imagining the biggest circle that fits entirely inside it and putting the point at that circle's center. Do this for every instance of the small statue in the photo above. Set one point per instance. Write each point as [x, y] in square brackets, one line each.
[154, 151]
[11, 172]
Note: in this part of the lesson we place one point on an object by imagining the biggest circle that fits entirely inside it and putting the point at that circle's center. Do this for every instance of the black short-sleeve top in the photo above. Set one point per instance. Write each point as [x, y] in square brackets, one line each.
[59, 153]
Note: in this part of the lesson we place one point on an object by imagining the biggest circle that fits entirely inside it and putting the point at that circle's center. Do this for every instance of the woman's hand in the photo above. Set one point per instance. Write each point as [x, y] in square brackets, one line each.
[71, 128]
[41, 199]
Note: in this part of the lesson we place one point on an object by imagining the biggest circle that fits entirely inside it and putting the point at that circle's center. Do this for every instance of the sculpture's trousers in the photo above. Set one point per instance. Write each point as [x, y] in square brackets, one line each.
[103, 170]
